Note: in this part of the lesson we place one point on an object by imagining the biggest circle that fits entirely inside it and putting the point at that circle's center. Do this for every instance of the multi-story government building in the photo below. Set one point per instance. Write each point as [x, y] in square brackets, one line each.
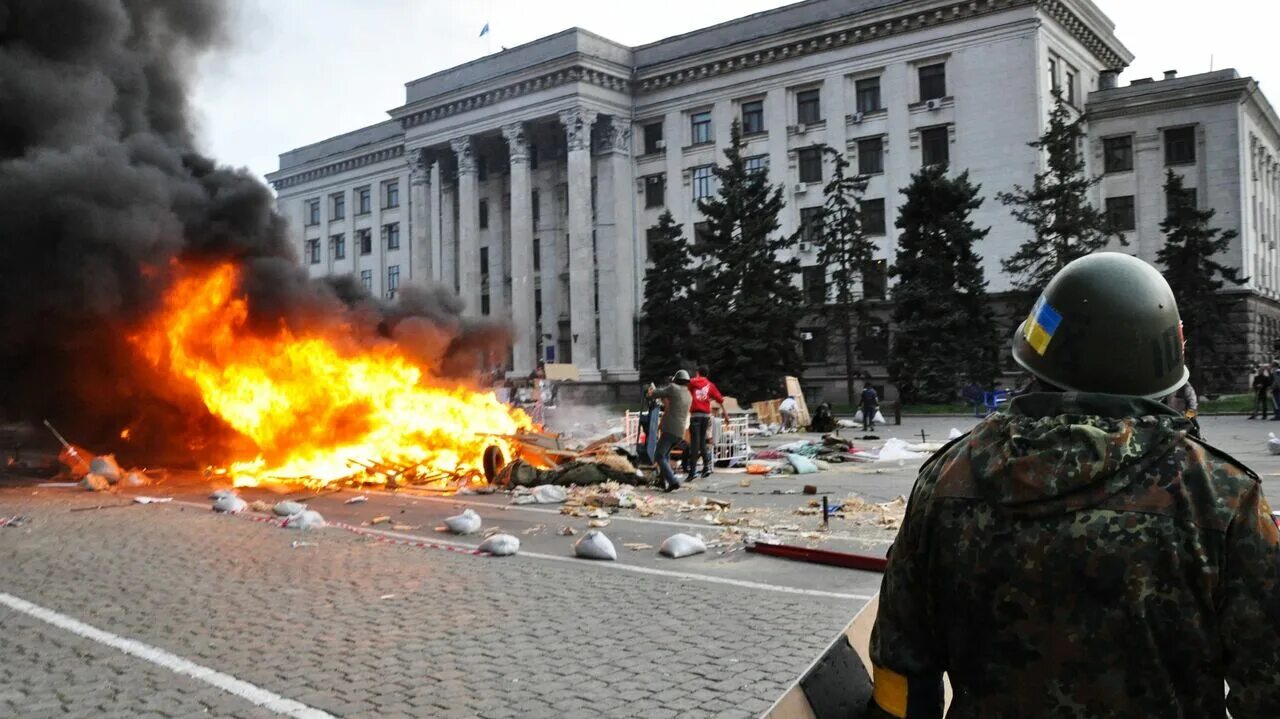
[527, 179]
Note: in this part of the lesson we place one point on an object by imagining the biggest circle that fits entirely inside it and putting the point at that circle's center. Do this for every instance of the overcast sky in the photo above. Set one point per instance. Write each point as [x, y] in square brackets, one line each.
[300, 71]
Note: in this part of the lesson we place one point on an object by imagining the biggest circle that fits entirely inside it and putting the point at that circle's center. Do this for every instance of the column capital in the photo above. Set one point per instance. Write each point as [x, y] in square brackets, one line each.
[577, 123]
[465, 151]
[617, 137]
[517, 142]
[419, 167]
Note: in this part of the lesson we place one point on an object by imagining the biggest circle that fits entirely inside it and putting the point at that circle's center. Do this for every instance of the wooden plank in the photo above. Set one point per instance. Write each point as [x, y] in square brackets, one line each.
[802, 408]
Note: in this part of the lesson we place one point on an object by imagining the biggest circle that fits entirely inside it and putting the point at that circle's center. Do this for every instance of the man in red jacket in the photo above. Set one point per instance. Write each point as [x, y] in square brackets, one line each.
[704, 393]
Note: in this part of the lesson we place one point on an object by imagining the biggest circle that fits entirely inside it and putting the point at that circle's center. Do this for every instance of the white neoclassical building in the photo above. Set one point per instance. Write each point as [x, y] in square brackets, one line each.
[527, 179]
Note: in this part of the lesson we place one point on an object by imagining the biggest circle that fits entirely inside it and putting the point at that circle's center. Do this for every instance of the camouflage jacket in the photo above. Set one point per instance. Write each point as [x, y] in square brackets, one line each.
[1081, 555]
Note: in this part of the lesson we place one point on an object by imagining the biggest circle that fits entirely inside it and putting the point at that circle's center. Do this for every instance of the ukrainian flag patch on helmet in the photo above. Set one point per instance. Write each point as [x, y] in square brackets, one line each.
[1040, 325]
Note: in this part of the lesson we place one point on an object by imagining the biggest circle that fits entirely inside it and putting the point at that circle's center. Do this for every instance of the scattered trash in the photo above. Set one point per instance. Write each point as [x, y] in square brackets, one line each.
[567, 531]
[896, 450]
[152, 500]
[682, 545]
[405, 527]
[288, 508]
[134, 479]
[105, 466]
[637, 546]
[307, 519]
[357, 500]
[297, 544]
[744, 482]
[598, 523]
[51, 485]
[466, 523]
[757, 468]
[810, 489]
[16, 520]
[500, 545]
[380, 520]
[802, 464]
[955, 434]
[95, 483]
[258, 505]
[387, 596]
[594, 545]
[541, 494]
[230, 504]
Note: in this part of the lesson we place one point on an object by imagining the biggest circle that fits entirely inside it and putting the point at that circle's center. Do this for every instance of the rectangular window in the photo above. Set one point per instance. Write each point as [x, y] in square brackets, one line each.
[809, 107]
[390, 195]
[313, 212]
[1053, 74]
[1071, 87]
[393, 280]
[1117, 154]
[484, 304]
[701, 234]
[873, 216]
[654, 191]
[339, 244]
[813, 283]
[1180, 146]
[392, 233]
[933, 82]
[651, 236]
[875, 279]
[366, 279]
[537, 255]
[756, 163]
[653, 138]
[1120, 213]
[338, 205]
[365, 240]
[484, 261]
[810, 159]
[873, 341]
[935, 146]
[533, 156]
[537, 208]
[702, 182]
[752, 117]
[700, 127]
[363, 202]
[813, 345]
[871, 156]
[484, 214]
[868, 91]
[810, 223]
[537, 307]
[482, 168]
[1188, 197]
[313, 251]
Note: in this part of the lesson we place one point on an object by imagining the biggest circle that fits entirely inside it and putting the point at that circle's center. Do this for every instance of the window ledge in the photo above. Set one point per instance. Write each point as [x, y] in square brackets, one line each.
[1180, 163]
[1109, 173]
[923, 105]
[391, 207]
[690, 149]
[808, 127]
[867, 115]
[760, 135]
[651, 156]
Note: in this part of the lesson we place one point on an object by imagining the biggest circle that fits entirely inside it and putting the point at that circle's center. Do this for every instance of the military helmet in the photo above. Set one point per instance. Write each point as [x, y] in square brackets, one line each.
[1109, 323]
[680, 377]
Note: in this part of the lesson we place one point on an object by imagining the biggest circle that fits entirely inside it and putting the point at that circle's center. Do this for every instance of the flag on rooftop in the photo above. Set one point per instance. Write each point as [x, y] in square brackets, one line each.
[484, 30]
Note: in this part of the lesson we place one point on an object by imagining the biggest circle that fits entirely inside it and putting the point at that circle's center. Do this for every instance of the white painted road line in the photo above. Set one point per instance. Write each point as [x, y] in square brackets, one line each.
[610, 565]
[251, 693]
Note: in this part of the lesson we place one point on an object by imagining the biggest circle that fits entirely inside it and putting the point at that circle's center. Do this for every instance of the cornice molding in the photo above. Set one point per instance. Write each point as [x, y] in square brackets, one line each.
[333, 168]
[545, 81]
[1057, 10]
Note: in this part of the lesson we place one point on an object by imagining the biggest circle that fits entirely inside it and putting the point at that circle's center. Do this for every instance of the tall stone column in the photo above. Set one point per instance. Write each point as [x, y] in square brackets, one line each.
[449, 236]
[435, 190]
[420, 258]
[582, 312]
[524, 353]
[615, 253]
[468, 221]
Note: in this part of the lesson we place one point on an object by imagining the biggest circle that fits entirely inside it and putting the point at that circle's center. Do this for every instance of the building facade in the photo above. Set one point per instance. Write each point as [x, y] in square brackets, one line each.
[526, 180]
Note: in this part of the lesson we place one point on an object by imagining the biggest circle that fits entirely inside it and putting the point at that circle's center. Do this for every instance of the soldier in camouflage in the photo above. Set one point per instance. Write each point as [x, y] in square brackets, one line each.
[1084, 553]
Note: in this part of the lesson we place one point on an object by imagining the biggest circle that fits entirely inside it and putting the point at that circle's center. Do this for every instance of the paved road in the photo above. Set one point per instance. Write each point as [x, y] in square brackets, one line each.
[357, 627]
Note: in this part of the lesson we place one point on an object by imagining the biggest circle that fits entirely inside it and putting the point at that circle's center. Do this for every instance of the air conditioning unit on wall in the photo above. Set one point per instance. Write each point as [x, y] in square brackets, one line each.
[933, 104]
[801, 187]
[856, 118]
[803, 247]
[660, 144]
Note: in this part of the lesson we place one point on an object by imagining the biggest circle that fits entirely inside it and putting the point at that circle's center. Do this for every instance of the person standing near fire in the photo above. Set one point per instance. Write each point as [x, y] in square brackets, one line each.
[676, 400]
[704, 392]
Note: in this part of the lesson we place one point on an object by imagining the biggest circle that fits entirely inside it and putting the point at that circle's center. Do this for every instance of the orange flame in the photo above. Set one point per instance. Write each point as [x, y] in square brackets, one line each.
[316, 405]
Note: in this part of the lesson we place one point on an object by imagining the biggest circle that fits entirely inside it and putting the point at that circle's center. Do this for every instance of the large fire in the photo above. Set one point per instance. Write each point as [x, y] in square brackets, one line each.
[321, 406]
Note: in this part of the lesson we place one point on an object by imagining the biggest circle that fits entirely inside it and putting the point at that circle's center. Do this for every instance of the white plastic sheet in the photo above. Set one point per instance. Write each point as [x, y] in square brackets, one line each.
[896, 450]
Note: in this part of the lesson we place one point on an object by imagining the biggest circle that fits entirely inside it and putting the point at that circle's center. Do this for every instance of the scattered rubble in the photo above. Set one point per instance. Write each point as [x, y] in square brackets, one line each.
[260, 506]
[357, 500]
[16, 520]
[152, 500]
[595, 545]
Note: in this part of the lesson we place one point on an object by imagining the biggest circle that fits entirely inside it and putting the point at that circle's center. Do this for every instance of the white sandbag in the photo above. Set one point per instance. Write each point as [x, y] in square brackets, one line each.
[466, 523]
[229, 503]
[594, 545]
[682, 545]
[896, 450]
[549, 494]
[501, 545]
[955, 434]
[288, 508]
[219, 494]
[306, 519]
[1273, 444]
[106, 467]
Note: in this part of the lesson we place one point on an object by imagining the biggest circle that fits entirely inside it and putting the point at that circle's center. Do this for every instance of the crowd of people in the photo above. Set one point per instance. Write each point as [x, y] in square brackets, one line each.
[687, 403]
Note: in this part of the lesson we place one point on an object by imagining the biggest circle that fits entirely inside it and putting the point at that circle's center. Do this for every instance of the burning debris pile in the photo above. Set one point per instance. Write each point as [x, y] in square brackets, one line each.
[144, 287]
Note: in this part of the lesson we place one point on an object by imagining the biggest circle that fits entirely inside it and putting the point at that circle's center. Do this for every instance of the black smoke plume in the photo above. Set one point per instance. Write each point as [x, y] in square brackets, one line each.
[101, 187]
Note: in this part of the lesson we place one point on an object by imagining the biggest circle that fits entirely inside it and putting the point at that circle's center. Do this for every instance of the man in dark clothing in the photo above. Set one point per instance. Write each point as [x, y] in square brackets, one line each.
[703, 392]
[1083, 553]
[869, 404]
[675, 418]
[1262, 384]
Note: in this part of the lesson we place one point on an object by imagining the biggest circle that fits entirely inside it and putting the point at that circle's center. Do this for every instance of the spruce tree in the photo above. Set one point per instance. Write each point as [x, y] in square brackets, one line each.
[1195, 277]
[944, 330]
[748, 303]
[844, 251]
[668, 310]
[1056, 207]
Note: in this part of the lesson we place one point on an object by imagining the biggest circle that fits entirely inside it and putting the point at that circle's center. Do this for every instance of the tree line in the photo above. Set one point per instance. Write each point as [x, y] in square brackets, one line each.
[729, 299]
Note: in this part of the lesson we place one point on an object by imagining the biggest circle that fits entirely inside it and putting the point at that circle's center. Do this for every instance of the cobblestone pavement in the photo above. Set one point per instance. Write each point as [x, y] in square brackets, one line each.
[359, 628]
